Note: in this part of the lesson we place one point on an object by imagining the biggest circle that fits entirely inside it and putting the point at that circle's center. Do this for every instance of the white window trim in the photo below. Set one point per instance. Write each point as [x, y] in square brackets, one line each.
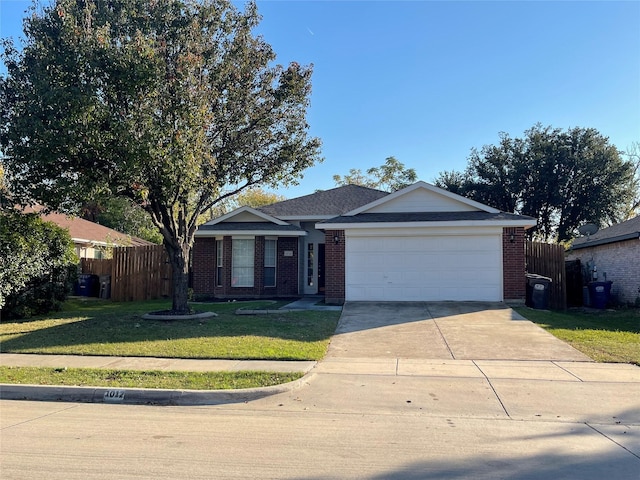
[219, 262]
[275, 260]
[251, 267]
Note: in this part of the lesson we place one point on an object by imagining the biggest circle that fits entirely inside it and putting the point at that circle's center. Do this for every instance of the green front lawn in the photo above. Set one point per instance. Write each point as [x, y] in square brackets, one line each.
[605, 336]
[98, 327]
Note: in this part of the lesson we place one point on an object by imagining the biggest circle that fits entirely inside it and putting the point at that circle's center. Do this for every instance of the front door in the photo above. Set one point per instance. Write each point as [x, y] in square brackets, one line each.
[321, 268]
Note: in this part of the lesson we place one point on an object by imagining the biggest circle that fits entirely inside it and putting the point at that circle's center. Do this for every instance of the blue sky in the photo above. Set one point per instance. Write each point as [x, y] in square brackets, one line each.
[426, 81]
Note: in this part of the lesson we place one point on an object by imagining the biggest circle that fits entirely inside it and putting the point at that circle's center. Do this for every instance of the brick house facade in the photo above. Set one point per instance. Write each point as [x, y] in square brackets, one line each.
[619, 261]
[476, 250]
[614, 253]
[205, 270]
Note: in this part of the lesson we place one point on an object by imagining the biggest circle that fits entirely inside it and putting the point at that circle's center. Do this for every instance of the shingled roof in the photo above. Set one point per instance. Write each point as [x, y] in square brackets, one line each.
[84, 231]
[250, 226]
[326, 203]
[616, 233]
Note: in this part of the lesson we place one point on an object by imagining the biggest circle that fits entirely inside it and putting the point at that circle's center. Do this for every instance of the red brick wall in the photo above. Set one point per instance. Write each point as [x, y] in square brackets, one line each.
[513, 264]
[204, 270]
[204, 265]
[334, 267]
[287, 267]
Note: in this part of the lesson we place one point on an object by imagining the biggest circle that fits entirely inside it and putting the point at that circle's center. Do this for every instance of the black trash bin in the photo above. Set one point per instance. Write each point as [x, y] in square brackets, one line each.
[538, 291]
[105, 286]
[600, 292]
[87, 285]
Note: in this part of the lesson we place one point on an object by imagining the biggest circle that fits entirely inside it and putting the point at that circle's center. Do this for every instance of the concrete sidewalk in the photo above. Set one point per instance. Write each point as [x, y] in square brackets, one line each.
[151, 363]
[463, 352]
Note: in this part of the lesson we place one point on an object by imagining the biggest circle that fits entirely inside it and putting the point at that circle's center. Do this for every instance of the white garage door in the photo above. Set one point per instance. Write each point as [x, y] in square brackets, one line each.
[424, 268]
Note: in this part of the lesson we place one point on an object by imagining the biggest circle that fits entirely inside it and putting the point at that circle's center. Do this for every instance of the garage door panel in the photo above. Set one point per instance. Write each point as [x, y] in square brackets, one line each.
[424, 268]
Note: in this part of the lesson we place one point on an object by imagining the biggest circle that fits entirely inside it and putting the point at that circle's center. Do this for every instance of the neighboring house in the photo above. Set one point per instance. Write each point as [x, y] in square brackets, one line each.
[90, 239]
[353, 243]
[614, 253]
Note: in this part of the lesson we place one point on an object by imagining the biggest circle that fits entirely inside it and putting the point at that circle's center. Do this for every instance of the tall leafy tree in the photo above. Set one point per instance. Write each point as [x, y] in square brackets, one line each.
[123, 215]
[562, 178]
[633, 155]
[174, 104]
[251, 197]
[390, 176]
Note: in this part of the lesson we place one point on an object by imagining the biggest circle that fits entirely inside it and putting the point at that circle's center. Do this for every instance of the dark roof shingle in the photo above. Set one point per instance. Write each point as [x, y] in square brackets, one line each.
[615, 233]
[327, 203]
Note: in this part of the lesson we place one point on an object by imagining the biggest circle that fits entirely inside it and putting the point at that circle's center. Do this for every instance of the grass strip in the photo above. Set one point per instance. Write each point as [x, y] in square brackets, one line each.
[144, 379]
[604, 336]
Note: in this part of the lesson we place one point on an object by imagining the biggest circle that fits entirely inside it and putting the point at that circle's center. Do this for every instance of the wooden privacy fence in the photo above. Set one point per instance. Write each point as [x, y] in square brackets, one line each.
[548, 260]
[96, 266]
[137, 273]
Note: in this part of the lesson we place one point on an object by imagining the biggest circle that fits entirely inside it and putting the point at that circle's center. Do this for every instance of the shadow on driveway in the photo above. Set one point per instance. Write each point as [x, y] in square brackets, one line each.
[444, 330]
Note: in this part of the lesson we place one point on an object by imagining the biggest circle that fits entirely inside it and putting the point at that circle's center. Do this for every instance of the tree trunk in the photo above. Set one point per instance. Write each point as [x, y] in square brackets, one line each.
[179, 259]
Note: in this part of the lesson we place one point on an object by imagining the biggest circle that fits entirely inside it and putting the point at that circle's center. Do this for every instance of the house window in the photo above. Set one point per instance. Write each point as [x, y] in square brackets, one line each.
[269, 263]
[242, 253]
[219, 263]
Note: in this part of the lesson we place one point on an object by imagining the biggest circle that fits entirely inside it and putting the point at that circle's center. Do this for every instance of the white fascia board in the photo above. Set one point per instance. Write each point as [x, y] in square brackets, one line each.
[81, 240]
[90, 243]
[426, 186]
[240, 210]
[252, 233]
[425, 232]
[390, 225]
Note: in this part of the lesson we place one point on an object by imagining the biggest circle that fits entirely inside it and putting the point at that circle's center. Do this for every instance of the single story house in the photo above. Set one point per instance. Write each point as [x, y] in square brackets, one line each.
[612, 253]
[90, 239]
[352, 243]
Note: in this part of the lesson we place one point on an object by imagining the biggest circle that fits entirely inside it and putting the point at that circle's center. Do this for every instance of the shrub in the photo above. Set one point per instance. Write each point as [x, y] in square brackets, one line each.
[37, 265]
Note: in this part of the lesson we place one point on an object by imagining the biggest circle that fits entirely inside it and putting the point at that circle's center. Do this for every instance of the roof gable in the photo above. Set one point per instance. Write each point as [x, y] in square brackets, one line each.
[245, 215]
[324, 204]
[422, 197]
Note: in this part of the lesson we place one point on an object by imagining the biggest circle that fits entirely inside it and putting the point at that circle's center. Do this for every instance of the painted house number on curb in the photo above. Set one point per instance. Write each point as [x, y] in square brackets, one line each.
[114, 396]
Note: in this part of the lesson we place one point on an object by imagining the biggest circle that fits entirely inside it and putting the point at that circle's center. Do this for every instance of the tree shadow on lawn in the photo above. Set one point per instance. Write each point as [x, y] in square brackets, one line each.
[625, 320]
[110, 325]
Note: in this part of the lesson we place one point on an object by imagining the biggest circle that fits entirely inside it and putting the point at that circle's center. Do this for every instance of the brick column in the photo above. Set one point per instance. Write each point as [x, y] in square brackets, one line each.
[287, 267]
[513, 264]
[334, 266]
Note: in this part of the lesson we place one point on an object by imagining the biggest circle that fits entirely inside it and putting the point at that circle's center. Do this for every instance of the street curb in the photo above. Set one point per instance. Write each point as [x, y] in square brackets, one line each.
[143, 396]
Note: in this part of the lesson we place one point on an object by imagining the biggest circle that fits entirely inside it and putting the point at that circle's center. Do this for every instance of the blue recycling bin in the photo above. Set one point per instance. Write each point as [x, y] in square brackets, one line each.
[600, 293]
[87, 285]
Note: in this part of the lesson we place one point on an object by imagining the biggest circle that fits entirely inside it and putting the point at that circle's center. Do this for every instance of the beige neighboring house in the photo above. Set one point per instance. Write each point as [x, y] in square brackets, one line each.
[91, 239]
[612, 253]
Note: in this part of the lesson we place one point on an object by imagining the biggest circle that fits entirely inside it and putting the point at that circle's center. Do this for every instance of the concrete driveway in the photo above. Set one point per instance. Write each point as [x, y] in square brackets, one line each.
[443, 330]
